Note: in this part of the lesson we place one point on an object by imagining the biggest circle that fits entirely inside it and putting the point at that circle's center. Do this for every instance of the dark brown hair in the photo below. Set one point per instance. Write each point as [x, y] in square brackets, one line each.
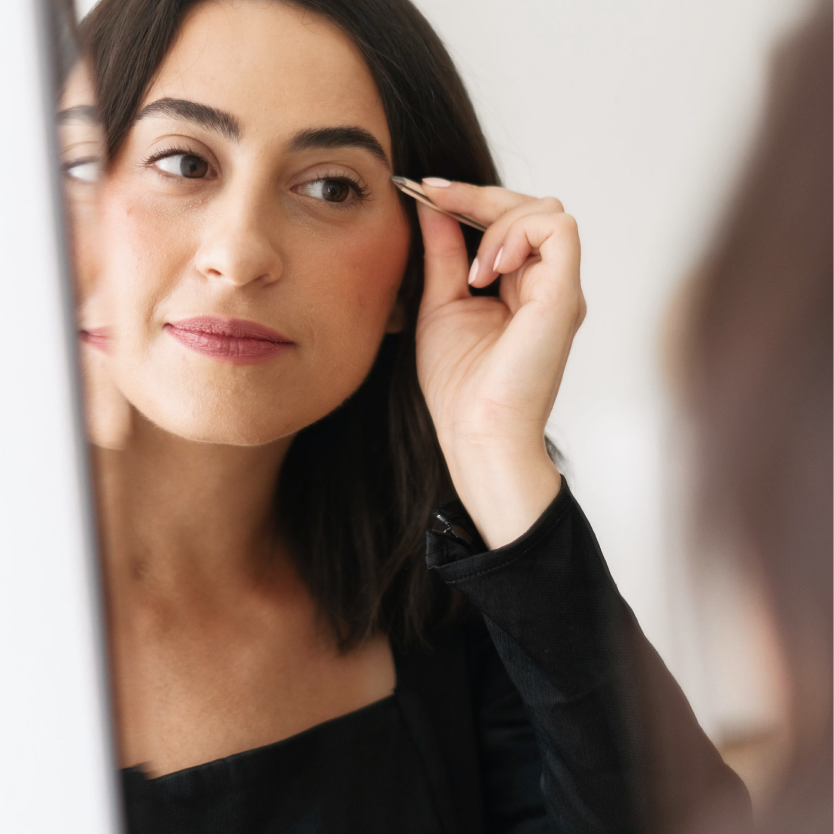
[357, 487]
[761, 364]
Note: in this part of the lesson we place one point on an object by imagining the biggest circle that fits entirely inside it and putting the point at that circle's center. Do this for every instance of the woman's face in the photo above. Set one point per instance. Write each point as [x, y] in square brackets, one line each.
[253, 242]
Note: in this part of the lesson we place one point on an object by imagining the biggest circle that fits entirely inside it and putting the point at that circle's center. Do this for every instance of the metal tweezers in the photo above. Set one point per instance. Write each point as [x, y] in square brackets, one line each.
[415, 190]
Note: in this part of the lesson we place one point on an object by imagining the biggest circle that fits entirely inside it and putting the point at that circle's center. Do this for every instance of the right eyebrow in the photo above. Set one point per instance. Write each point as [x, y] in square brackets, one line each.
[210, 118]
[79, 113]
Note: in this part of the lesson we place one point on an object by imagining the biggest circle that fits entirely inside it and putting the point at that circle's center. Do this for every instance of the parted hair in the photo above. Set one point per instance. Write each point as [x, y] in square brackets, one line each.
[358, 486]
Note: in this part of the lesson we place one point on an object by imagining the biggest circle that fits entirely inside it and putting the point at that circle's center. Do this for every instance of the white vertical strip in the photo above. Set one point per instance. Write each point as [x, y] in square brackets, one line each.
[56, 768]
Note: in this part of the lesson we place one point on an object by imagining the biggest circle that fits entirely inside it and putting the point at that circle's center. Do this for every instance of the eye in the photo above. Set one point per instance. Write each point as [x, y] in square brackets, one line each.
[83, 170]
[186, 165]
[329, 189]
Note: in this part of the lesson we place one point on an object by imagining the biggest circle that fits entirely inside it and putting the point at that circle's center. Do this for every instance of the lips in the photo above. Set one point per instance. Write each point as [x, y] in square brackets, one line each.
[234, 341]
[98, 337]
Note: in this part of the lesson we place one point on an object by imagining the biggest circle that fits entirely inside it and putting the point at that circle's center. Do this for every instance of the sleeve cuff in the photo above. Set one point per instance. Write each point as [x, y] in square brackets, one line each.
[456, 551]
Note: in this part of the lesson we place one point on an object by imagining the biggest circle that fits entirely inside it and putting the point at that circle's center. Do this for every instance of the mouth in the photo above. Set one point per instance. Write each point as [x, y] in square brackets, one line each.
[97, 337]
[233, 341]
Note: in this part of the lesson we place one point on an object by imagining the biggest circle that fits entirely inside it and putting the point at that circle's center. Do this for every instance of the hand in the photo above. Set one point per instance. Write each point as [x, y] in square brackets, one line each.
[490, 368]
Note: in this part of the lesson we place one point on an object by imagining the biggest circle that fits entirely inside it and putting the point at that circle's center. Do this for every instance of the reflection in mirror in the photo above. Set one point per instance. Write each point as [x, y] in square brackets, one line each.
[348, 587]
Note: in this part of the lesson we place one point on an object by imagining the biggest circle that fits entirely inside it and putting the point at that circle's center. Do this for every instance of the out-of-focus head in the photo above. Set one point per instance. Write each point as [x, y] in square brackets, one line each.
[760, 356]
[81, 144]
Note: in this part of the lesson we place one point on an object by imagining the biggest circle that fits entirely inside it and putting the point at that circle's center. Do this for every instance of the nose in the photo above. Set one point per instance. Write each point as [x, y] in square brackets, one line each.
[237, 244]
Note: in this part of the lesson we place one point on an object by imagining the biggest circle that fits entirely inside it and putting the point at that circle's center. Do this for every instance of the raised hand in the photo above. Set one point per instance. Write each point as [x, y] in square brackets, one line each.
[490, 368]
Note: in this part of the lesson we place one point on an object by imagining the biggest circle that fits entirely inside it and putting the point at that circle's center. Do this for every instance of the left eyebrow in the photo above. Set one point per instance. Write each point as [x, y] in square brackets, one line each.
[80, 113]
[339, 137]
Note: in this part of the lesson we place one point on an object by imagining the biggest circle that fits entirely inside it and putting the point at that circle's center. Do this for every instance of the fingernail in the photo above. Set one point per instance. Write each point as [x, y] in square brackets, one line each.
[497, 259]
[473, 272]
[436, 182]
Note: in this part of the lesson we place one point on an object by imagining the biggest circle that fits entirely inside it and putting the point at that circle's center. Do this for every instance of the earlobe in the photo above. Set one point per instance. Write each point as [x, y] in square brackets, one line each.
[396, 321]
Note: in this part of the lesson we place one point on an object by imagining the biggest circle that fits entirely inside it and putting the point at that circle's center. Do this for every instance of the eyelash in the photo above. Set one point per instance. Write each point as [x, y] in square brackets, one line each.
[360, 190]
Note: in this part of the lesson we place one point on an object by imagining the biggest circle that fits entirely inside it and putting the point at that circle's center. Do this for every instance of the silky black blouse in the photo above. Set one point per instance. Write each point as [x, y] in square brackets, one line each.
[545, 711]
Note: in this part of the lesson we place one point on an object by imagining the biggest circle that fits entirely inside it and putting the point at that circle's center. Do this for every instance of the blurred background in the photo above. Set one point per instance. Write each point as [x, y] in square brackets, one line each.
[640, 117]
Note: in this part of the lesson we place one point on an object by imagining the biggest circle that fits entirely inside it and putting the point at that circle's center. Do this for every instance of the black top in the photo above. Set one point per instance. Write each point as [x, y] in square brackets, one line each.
[556, 717]
[361, 769]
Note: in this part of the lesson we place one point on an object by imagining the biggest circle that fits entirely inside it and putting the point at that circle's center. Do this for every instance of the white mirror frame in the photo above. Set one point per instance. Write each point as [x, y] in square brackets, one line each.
[57, 771]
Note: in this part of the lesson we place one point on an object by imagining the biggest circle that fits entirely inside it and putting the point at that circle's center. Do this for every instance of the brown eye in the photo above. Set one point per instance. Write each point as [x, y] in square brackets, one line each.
[186, 165]
[328, 190]
[335, 191]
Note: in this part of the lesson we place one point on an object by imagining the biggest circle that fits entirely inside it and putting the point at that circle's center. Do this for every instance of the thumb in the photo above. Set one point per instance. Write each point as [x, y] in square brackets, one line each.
[446, 261]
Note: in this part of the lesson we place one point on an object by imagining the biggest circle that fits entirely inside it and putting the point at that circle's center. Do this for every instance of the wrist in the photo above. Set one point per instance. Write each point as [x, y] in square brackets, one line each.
[504, 487]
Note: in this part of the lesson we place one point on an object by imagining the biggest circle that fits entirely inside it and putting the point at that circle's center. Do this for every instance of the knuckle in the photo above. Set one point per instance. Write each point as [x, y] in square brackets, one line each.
[553, 205]
[568, 224]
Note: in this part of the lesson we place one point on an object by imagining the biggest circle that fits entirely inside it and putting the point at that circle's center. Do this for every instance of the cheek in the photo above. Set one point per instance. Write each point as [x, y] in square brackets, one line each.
[363, 288]
[143, 249]
[84, 230]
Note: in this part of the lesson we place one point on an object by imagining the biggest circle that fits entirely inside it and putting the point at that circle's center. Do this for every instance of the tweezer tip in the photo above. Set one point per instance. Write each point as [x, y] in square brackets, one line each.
[398, 180]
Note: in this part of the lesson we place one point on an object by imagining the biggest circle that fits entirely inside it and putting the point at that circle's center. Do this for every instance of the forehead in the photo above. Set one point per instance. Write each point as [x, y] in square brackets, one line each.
[275, 67]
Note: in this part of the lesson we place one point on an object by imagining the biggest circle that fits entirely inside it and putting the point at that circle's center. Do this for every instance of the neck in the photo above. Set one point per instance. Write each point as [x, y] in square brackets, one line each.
[178, 511]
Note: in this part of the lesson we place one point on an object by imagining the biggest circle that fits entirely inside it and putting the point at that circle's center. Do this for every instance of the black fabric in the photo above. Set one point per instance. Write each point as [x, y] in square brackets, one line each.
[471, 716]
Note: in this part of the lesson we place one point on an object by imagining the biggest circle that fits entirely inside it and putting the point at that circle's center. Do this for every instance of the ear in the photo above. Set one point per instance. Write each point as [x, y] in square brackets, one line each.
[396, 321]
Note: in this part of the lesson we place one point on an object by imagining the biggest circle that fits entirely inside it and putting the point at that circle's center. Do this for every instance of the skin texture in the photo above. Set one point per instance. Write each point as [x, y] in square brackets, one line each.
[216, 644]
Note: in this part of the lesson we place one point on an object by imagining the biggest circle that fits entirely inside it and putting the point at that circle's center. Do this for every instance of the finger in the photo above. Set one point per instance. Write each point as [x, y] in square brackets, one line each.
[556, 284]
[482, 203]
[492, 252]
[446, 261]
[554, 236]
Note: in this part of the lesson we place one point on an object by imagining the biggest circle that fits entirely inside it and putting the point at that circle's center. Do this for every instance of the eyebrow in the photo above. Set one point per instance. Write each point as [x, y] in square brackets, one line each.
[79, 113]
[345, 136]
[210, 118]
[339, 137]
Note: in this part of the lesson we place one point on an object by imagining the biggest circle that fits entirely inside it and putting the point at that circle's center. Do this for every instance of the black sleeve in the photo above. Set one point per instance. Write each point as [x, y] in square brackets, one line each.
[621, 750]
[511, 766]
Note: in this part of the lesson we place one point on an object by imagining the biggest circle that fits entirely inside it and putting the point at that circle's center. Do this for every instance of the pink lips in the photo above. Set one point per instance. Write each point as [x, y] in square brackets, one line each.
[98, 337]
[234, 341]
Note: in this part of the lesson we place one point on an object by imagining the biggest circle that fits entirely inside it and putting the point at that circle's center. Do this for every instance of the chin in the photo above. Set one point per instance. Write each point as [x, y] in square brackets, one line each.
[232, 420]
[225, 429]
[238, 414]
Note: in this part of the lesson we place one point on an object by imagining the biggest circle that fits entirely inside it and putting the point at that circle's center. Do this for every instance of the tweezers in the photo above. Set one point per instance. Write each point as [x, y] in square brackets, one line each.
[415, 190]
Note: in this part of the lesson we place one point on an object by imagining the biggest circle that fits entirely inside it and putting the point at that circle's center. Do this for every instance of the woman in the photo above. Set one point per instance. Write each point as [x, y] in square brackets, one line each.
[307, 374]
